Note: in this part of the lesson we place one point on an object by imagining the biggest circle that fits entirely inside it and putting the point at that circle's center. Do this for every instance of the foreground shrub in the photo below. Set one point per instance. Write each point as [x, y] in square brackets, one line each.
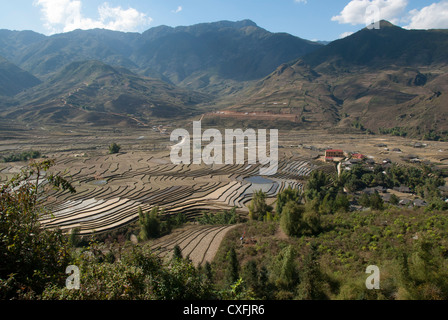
[31, 257]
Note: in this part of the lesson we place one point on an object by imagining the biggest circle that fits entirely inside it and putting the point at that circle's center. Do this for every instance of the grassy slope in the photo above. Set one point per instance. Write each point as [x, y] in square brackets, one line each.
[83, 89]
[349, 243]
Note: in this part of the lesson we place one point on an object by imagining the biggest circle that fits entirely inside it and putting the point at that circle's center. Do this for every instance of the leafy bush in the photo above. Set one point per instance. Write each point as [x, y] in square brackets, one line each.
[139, 275]
[396, 131]
[24, 156]
[223, 218]
[291, 220]
[114, 148]
[258, 207]
[286, 195]
[296, 220]
[149, 224]
[31, 256]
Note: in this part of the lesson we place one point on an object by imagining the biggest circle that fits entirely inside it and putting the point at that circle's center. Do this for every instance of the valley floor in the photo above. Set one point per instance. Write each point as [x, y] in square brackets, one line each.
[143, 175]
[112, 187]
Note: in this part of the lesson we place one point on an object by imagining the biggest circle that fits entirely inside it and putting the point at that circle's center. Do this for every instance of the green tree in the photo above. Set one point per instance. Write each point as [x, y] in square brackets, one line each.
[394, 199]
[233, 267]
[286, 195]
[258, 207]
[436, 204]
[376, 202]
[311, 280]
[284, 271]
[182, 281]
[373, 201]
[238, 291]
[208, 271]
[140, 275]
[250, 275]
[364, 200]
[311, 222]
[327, 204]
[265, 287]
[422, 273]
[291, 220]
[180, 219]
[73, 238]
[149, 224]
[177, 252]
[341, 203]
[114, 148]
[316, 185]
[31, 256]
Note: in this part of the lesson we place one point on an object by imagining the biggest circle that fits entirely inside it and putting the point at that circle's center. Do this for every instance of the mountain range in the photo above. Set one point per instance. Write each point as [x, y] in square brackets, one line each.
[371, 80]
[94, 92]
[228, 50]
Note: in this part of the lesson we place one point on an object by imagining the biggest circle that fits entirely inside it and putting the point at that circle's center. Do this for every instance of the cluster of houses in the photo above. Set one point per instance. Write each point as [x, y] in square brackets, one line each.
[404, 201]
[347, 160]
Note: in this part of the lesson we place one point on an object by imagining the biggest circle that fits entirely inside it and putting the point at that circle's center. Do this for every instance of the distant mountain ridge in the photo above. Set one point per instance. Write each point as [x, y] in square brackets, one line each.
[88, 90]
[370, 80]
[379, 48]
[367, 82]
[13, 79]
[191, 56]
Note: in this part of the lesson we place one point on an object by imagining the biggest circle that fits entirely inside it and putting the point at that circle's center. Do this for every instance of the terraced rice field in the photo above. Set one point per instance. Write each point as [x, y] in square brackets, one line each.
[111, 188]
[199, 243]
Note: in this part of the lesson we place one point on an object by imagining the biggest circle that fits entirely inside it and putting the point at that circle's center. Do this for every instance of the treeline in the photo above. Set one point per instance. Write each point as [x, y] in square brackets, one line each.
[330, 193]
[433, 135]
[152, 226]
[430, 135]
[358, 125]
[424, 181]
[395, 131]
[220, 218]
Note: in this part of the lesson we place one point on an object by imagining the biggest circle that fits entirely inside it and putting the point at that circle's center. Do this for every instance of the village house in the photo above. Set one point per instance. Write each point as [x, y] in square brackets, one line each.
[330, 154]
[419, 145]
[403, 189]
[378, 189]
[358, 156]
[405, 202]
[419, 203]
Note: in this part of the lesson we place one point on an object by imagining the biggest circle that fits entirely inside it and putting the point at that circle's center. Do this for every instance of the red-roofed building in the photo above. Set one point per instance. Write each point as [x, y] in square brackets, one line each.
[358, 156]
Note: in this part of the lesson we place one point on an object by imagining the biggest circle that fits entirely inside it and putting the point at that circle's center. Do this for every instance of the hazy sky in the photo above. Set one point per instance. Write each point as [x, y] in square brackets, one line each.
[308, 19]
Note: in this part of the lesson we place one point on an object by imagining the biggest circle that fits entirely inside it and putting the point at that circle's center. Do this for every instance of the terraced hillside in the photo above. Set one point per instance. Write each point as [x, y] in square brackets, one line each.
[199, 243]
[111, 188]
